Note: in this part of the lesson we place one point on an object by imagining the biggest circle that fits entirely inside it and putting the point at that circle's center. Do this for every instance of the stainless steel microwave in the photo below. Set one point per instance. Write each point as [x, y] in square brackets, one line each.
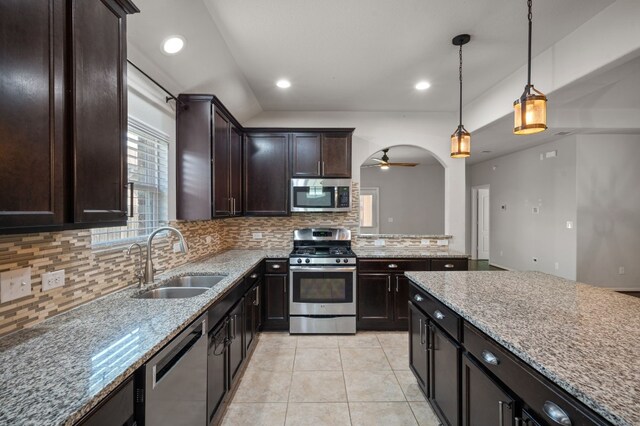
[320, 195]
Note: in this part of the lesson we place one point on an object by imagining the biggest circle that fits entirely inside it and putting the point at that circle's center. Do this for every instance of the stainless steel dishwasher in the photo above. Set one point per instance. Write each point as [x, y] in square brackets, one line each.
[175, 381]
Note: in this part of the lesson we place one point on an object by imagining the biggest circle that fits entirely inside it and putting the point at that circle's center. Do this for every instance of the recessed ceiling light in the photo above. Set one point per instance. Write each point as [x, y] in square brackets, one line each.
[283, 84]
[174, 44]
[422, 85]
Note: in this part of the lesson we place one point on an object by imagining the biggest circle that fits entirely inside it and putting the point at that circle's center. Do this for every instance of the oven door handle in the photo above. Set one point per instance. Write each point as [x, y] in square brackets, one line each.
[322, 269]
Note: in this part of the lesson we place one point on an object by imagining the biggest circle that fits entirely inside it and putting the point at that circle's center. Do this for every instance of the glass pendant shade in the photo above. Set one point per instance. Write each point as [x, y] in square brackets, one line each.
[530, 114]
[460, 143]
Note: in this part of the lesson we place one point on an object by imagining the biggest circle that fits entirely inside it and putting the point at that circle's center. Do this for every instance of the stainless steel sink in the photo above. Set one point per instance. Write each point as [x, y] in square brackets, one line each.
[171, 293]
[205, 281]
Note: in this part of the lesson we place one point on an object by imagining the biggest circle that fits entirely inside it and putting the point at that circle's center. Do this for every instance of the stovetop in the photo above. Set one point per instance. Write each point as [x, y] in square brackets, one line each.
[335, 251]
[322, 246]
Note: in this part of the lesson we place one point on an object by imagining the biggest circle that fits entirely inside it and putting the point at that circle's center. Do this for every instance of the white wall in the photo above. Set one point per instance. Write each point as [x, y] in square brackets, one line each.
[608, 182]
[146, 103]
[377, 130]
[412, 196]
[521, 181]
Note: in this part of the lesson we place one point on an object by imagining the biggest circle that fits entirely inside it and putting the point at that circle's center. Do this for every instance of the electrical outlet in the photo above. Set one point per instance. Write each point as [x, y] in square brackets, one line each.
[501, 253]
[208, 240]
[15, 284]
[379, 243]
[256, 235]
[424, 242]
[569, 224]
[557, 266]
[176, 247]
[51, 280]
[621, 270]
[390, 219]
[443, 242]
[535, 210]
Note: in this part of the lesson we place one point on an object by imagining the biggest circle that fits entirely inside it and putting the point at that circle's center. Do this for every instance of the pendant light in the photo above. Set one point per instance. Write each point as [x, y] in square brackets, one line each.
[530, 111]
[461, 139]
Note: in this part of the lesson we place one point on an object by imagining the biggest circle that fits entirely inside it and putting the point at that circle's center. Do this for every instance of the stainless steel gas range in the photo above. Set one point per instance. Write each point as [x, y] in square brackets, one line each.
[322, 282]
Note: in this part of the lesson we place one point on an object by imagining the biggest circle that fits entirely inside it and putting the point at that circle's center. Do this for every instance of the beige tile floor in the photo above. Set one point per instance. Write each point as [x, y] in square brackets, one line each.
[330, 380]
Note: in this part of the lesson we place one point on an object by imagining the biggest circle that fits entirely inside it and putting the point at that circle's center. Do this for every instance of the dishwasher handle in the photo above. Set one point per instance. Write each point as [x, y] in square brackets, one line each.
[218, 340]
[170, 356]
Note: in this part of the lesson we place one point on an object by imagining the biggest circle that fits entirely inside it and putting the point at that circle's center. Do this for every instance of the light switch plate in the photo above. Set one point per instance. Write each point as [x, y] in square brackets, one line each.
[443, 242]
[425, 242]
[379, 243]
[51, 280]
[15, 284]
[256, 235]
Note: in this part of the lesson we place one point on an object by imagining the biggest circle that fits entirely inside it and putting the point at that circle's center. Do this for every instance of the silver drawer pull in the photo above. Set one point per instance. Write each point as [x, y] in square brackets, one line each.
[418, 298]
[393, 266]
[490, 358]
[276, 266]
[449, 266]
[439, 315]
[253, 276]
[556, 413]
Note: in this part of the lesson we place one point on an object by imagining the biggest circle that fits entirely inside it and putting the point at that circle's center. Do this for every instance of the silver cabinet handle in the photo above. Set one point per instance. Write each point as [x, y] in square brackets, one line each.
[323, 168]
[449, 266]
[397, 284]
[389, 283]
[393, 266]
[555, 413]
[319, 172]
[490, 358]
[439, 315]
[257, 301]
[418, 298]
[501, 405]
[421, 340]
[276, 266]
[253, 276]
[130, 185]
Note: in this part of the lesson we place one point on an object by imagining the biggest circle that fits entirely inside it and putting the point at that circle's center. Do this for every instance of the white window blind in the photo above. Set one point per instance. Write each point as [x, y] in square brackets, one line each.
[148, 165]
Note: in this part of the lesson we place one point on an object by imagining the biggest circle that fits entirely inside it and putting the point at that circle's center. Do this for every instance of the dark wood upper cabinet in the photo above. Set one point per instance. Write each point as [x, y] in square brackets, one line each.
[321, 155]
[336, 155]
[209, 159]
[99, 111]
[31, 113]
[266, 177]
[63, 128]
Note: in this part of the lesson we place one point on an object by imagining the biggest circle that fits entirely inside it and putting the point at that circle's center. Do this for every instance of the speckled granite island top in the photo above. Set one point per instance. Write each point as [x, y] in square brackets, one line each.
[403, 252]
[55, 372]
[583, 338]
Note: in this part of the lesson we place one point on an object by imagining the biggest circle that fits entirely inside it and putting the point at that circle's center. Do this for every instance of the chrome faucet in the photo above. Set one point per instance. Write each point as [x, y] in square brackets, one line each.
[139, 272]
[148, 270]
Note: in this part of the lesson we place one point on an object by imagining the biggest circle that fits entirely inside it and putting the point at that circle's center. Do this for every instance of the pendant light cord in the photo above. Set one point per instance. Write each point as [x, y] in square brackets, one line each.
[530, 16]
[460, 71]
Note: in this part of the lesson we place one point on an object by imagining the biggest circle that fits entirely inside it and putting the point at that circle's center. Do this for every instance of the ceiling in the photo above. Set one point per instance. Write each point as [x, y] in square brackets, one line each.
[366, 55]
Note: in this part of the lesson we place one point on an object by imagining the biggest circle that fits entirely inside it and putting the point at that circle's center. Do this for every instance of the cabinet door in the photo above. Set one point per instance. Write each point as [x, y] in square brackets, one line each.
[193, 159]
[99, 111]
[484, 400]
[401, 308]
[249, 318]
[236, 345]
[259, 289]
[235, 172]
[444, 375]
[266, 183]
[306, 155]
[375, 301]
[276, 302]
[336, 155]
[418, 362]
[31, 113]
[221, 157]
[217, 369]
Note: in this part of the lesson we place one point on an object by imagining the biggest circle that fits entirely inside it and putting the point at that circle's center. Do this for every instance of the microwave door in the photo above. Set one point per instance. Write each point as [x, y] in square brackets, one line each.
[313, 198]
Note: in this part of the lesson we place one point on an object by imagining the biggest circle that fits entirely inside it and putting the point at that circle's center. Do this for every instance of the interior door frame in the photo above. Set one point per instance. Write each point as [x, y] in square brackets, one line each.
[474, 220]
[376, 193]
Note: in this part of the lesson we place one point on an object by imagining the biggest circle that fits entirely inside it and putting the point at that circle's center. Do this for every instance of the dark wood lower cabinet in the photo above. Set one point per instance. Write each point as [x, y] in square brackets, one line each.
[252, 313]
[401, 308]
[484, 401]
[217, 369]
[418, 355]
[275, 302]
[375, 301]
[236, 340]
[444, 374]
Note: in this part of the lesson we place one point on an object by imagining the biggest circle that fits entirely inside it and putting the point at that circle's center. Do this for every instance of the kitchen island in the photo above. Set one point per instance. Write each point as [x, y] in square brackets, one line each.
[583, 339]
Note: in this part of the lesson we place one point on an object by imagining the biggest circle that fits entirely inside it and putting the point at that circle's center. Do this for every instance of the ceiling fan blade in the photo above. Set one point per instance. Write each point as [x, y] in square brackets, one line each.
[370, 165]
[403, 164]
[378, 160]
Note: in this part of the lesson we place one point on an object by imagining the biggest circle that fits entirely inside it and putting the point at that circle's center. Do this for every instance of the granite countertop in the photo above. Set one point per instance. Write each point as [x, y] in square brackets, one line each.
[55, 372]
[392, 236]
[583, 338]
[389, 251]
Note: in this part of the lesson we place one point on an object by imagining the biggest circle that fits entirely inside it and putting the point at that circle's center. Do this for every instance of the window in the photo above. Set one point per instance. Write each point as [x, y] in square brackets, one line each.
[369, 210]
[148, 164]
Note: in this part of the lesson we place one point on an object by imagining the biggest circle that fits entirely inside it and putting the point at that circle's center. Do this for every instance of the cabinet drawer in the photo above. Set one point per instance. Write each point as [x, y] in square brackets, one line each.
[537, 392]
[276, 266]
[253, 277]
[449, 264]
[393, 265]
[439, 313]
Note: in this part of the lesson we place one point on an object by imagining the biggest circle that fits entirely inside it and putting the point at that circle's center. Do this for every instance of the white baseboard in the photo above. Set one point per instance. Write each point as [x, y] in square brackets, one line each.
[635, 289]
[499, 266]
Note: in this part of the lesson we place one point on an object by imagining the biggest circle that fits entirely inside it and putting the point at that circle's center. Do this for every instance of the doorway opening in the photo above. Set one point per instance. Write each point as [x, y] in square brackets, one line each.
[480, 222]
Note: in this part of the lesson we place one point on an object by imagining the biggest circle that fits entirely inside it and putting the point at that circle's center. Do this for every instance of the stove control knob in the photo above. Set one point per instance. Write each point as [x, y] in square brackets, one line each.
[345, 260]
[337, 260]
[307, 261]
[299, 261]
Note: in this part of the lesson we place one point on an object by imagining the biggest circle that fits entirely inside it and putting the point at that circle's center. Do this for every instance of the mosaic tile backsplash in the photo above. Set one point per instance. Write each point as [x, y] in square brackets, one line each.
[91, 273]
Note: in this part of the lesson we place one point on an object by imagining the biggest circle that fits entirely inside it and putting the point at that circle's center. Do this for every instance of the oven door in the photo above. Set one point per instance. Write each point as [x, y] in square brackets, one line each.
[322, 290]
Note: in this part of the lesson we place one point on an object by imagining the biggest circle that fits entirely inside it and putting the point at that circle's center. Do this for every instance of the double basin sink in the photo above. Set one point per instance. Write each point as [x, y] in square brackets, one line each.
[182, 287]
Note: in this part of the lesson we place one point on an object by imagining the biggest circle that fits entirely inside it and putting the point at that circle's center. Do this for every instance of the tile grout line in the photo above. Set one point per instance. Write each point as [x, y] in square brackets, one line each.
[344, 381]
[295, 354]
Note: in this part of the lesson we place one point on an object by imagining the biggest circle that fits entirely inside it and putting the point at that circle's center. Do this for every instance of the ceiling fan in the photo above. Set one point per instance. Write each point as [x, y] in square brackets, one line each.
[384, 163]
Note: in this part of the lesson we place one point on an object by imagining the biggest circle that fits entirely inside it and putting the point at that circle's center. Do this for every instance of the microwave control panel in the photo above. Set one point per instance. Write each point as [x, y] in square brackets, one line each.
[343, 196]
